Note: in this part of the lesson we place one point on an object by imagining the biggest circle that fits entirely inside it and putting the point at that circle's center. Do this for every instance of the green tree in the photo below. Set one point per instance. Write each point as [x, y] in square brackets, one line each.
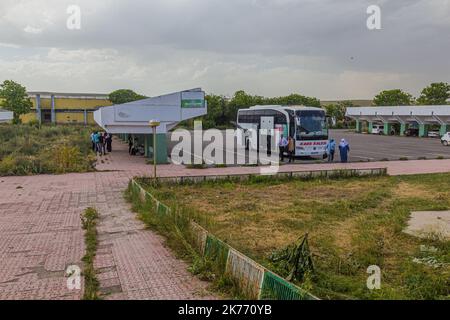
[14, 98]
[217, 112]
[337, 112]
[435, 94]
[124, 96]
[294, 99]
[241, 100]
[394, 97]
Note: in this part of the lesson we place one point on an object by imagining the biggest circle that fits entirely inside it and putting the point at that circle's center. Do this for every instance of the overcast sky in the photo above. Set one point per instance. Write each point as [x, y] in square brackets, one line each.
[319, 48]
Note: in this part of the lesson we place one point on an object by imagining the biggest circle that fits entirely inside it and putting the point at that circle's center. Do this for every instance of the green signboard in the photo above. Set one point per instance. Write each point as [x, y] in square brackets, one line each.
[192, 103]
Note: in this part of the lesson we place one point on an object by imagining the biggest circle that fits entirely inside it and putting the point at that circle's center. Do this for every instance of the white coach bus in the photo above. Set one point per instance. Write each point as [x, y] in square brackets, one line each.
[306, 125]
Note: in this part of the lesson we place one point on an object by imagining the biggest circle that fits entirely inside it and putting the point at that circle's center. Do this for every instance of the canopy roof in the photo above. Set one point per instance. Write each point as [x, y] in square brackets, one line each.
[402, 114]
[169, 109]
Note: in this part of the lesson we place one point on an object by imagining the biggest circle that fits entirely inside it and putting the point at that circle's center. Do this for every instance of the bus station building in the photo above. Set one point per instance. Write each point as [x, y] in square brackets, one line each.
[421, 117]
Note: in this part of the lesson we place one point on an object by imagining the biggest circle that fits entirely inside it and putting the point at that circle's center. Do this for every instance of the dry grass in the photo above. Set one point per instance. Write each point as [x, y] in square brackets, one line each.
[352, 223]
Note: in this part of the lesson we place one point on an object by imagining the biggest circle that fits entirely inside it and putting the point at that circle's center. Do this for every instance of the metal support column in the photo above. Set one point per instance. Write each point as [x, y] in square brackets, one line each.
[53, 114]
[358, 126]
[38, 108]
[423, 130]
[402, 128]
[443, 130]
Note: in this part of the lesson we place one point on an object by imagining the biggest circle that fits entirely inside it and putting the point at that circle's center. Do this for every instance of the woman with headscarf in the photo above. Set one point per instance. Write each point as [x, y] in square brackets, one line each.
[344, 149]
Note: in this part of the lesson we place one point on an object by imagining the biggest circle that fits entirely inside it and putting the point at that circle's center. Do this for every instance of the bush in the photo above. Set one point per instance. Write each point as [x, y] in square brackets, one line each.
[30, 149]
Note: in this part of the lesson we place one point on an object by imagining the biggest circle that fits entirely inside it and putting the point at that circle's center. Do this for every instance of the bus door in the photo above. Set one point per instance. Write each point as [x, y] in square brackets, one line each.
[250, 137]
[267, 123]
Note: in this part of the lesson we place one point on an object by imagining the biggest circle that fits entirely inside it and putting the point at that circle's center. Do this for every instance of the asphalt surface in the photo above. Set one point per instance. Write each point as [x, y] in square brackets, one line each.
[371, 147]
[363, 147]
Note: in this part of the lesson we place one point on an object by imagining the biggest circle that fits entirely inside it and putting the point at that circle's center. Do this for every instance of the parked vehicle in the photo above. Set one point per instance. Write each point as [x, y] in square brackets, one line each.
[434, 134]
[446, 139]
[306, 125]
[412, 132]
[377, 129]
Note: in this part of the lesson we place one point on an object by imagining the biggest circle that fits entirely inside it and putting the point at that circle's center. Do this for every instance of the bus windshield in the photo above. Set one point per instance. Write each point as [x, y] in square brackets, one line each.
[311, 123]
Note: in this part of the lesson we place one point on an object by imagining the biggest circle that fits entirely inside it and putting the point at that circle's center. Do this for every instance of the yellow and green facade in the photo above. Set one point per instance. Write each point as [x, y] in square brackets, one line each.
[65, 108]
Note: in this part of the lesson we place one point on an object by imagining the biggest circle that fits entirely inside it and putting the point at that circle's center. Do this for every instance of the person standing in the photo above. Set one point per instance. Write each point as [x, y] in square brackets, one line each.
[104, 138]
[109, 142]
[97, 142]
[282, 146]
[291, 149]
[92, 140]
[331, 149]
[130, 144]
[100, 143]
[344, 149]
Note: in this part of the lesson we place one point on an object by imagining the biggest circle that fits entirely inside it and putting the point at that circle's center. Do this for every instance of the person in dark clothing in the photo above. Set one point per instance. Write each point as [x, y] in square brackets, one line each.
[130, 144]
[109, 142]
[344, 149]
[269, 145]
[105, 137]
[101, 143]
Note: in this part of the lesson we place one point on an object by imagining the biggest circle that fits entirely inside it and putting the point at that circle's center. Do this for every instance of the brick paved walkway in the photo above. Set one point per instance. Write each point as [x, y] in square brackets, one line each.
[40, 230]
[40, 235]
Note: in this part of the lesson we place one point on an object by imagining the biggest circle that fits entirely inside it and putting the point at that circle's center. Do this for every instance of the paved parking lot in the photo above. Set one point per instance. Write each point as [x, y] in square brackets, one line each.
[366, 147]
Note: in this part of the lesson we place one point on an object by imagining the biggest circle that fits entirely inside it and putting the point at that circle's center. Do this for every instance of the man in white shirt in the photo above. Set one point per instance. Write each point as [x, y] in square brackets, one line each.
[283, 144]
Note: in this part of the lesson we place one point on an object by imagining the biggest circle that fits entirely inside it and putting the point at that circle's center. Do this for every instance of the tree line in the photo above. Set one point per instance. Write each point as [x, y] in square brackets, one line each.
[222, 111]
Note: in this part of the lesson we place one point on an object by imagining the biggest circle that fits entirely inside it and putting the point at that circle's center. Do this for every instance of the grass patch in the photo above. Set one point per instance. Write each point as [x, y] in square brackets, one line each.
[352, 223]
[197, 166]
[29, 149]
[89, 224]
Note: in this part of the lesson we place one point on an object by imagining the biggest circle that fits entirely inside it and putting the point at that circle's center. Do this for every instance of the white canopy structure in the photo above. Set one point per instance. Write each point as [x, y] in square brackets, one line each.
[169, 109]
[133, 118]
[6, 116]
[422, 116]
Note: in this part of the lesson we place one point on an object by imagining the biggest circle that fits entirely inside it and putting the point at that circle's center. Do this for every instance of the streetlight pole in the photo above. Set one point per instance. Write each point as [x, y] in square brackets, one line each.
[154, 124]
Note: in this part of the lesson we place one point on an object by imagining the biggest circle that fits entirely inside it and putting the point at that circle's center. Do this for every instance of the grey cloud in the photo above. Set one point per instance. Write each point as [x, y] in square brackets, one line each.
[323, 40]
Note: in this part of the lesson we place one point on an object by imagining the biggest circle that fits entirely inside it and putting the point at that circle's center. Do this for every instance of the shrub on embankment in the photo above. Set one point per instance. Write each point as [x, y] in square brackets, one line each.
[30, 149]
